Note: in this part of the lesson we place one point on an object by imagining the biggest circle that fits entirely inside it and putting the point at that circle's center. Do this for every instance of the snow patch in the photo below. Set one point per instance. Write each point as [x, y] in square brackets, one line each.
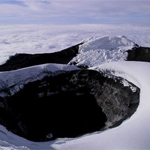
[107, 43]
[6, 146]
[126, 83]
[13, 81]
[99, 50]
[109, 73]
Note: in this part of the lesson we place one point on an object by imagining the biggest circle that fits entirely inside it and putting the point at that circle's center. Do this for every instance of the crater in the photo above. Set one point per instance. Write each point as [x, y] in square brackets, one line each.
[68, 105]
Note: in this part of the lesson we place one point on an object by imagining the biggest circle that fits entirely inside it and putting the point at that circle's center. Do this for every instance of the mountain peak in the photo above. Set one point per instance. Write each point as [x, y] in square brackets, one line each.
[99, 50]
[107, 43]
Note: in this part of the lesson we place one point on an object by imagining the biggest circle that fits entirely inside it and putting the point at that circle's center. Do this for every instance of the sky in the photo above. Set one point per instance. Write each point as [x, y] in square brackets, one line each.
[75, 12]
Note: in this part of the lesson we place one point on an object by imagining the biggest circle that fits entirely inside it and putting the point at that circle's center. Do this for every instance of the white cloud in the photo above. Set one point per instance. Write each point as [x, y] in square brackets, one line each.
[36, 4]
[94, 10]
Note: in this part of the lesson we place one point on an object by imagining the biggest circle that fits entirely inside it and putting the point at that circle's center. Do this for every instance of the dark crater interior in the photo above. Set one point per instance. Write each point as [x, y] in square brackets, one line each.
[69, 105]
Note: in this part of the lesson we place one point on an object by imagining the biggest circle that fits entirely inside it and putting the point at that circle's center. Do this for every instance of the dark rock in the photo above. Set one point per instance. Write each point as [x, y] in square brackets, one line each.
[25, 60]
[64, 57]
[67, 105]
[139, 54]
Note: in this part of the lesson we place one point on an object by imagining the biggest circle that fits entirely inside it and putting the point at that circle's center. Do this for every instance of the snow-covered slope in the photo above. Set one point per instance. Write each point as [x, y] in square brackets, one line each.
[13, 81]
[96, 51]
[107, 43]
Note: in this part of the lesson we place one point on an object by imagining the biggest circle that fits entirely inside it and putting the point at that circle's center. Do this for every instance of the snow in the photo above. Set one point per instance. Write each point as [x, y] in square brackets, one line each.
[6, 146]
[51, 38]
[109, 74]
[125, 83]
[15, 80]
[99, 50]
[107, 43]
[133, 133]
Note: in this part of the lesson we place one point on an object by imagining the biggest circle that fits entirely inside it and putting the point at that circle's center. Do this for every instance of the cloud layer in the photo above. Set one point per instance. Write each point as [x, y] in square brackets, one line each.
[50, 38]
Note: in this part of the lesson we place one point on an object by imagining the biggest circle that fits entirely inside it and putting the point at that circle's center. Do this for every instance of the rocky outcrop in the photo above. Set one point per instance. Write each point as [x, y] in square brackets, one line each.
[25, 60]
[69, 104]
[139, 54]
[84, 60]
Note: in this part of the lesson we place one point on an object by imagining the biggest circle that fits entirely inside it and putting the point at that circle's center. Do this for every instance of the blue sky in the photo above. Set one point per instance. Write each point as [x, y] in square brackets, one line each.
[75, 12]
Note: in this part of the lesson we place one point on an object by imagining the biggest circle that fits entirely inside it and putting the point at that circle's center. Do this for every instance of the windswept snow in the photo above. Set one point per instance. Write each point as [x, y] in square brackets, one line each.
[13, 81]
[99, 50]
[107, 43]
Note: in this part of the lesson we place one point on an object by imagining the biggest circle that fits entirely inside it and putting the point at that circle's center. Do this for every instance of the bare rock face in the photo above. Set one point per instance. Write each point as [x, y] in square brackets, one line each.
[25, 60]
[139, 54]
[67, 105]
